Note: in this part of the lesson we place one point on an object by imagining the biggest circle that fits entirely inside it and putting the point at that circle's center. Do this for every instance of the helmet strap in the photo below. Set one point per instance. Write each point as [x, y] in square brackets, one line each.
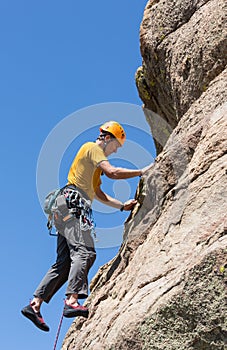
[106, 143]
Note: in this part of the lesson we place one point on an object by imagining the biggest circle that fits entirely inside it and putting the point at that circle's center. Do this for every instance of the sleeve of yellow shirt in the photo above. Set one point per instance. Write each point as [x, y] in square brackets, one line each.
[96, 155]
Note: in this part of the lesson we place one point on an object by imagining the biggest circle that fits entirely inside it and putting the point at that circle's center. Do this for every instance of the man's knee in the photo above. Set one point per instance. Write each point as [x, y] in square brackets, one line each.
[91, 256]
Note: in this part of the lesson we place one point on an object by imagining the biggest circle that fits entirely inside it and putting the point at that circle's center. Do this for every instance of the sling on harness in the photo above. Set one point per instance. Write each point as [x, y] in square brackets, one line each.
[50, 200]
[47, 207]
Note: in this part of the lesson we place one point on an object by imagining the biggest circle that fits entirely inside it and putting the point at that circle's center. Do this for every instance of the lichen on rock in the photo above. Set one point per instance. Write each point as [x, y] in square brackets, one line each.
[196, 318]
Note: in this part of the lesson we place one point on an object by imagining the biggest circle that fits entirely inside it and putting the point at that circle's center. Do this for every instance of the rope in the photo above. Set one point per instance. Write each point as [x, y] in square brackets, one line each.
[58, 332]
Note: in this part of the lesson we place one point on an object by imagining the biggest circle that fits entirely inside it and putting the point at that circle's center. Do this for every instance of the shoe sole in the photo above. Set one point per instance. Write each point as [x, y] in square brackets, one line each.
[32, 318]
[77, 313]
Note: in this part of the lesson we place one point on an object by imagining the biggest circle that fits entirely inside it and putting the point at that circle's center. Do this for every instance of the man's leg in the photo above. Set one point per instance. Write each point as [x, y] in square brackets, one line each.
[56, 276]
[82, 259]
[82, 254]
[54, 279]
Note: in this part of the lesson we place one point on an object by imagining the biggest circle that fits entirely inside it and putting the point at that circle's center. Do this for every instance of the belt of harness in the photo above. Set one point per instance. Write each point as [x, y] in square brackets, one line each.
[71, 204]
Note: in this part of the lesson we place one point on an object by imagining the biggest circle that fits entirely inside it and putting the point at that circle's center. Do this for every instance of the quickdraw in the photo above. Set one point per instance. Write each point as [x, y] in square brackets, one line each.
[50, 225]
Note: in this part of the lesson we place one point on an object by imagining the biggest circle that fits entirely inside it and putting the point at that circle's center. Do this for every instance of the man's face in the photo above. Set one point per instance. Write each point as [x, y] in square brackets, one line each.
[112, 145]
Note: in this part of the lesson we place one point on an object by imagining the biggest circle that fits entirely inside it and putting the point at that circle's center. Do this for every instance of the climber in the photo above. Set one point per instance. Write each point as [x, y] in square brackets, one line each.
[72, 218]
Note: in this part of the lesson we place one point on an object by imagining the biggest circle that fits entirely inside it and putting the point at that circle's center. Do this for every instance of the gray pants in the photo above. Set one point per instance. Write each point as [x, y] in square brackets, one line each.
[75, 256]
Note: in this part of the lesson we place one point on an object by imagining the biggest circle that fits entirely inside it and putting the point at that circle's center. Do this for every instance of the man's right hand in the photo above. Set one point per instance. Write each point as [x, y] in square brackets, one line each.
[129, 204]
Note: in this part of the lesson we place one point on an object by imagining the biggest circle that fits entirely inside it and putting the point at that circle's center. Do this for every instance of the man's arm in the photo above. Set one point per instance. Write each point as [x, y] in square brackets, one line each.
[119, 173]
[113, 202]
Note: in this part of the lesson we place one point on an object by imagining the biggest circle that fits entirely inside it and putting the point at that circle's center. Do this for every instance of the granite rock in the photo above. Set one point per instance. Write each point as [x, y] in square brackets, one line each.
[166, 288]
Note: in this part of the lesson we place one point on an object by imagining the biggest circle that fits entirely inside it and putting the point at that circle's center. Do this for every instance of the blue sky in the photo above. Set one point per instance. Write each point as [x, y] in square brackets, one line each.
[56, 58]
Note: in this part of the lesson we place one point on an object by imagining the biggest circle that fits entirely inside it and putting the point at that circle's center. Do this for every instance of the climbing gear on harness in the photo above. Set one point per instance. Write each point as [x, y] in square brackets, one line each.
[47, 207]
[73, 311]
[71, 204]
[79, 207]
[115, 129]
[50, 225]
[64, 204]
[35, 317]
[49, 201]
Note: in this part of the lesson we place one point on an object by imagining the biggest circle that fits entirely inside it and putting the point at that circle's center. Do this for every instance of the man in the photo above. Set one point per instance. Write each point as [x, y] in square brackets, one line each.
[72, 218]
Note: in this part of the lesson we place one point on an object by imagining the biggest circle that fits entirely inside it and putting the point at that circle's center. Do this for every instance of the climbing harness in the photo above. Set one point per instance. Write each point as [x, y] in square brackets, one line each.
[80, 208]
[58, 332]
[65, 204]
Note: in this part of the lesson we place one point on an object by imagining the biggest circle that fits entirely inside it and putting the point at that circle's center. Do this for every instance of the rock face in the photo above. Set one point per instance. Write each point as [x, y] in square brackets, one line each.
[183, 44]
[166, 288]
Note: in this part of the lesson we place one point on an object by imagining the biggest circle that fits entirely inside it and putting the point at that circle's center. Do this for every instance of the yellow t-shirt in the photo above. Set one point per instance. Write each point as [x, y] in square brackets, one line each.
[84, 171]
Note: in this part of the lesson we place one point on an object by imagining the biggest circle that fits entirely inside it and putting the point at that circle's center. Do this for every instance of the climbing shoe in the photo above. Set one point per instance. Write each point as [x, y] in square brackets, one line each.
[73, 311]
[35, 317]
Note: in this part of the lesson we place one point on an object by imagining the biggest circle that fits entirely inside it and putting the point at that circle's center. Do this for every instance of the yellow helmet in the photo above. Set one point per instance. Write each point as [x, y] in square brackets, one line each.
[115, 129]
